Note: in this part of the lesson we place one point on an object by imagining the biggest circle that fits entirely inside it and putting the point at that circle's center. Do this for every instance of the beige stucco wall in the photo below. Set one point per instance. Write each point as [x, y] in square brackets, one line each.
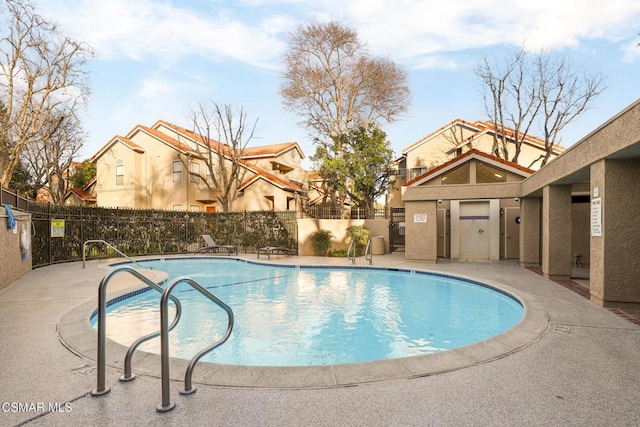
[13, 266]
[338, 227]
[255, 198]
[433, 152]
[529, 154]
[107, 192]
[290, 157]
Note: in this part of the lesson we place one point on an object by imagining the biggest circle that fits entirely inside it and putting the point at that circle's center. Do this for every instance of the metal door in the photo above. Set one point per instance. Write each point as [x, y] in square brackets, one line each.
[396, 230]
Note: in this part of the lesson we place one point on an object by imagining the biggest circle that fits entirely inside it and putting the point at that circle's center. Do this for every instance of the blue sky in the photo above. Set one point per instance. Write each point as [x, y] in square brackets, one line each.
[157, 59]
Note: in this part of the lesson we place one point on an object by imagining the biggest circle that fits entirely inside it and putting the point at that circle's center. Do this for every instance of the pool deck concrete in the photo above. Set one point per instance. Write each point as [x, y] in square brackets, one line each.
[569, 362]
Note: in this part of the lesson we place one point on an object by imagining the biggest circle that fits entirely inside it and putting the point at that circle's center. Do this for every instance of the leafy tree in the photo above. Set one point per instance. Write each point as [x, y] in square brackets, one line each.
[335, 85]
[83, 174]
[41, 78]
[221, 135]
[534, 92]
[358, 164]
[22, 182]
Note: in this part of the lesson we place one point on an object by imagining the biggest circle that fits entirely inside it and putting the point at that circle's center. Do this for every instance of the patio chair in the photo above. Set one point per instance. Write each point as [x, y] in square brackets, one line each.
[211, 246]
[268, 250]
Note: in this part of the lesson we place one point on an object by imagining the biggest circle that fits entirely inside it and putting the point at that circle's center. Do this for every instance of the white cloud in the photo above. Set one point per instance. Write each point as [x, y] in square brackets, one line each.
[254, 31]
[631, 51]
[150, 29]
[411, 28]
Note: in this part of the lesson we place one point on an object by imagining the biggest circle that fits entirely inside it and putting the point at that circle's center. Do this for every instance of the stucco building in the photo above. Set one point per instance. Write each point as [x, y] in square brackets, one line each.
[458, 137]
[165, 167]
[580, 208]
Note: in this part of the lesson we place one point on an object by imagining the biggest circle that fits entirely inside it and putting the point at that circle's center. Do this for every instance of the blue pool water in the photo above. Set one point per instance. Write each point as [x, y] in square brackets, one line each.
[301, 316]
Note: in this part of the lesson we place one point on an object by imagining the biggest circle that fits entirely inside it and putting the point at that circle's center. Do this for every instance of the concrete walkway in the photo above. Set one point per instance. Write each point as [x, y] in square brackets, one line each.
[581, 368]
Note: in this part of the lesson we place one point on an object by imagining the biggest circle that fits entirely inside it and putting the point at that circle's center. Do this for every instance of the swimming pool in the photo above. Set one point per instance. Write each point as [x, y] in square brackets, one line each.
[303, 316]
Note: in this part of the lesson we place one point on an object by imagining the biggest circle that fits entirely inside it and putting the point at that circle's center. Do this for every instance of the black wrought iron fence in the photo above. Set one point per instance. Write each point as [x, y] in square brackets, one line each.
[329, 212]
[148, 232]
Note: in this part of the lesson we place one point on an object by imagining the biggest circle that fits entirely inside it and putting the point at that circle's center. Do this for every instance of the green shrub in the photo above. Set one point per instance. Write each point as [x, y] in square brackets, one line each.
[321, 242]
[338, 253]
[361, 235]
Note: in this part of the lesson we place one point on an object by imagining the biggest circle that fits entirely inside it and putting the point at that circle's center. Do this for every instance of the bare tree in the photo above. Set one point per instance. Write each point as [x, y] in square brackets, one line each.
[332, 81]
[50, 161]
[221, 134]
[41, 77]
[527, 92]
[335, 85]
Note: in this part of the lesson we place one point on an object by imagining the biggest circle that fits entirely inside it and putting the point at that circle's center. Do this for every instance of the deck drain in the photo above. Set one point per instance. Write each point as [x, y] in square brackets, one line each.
[562, 328]
[84, 370]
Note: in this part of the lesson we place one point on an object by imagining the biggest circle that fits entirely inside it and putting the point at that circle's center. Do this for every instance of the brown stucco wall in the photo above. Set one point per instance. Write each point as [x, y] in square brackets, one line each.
[615, 271]
[530, 231]
[580, 235]
[12, 266]
[556, 232]
[421, 237]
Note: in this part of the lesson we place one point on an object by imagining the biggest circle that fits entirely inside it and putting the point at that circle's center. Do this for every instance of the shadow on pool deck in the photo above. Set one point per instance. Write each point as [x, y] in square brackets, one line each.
[573, 363]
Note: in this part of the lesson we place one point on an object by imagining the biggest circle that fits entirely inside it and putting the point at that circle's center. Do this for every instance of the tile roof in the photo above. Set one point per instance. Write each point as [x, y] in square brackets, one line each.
[481, 127]
[270, 150]
[260, 173]
[491, 127]
[163, 137]
[84, 195]
[439, 131]
[123, 140]
[196, 137]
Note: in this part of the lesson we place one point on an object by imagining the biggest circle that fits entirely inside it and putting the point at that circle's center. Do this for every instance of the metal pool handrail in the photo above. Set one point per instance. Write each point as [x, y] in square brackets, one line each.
[84, 245]
[368, 252]
[352, 245]
[102, 327]
[166, 404]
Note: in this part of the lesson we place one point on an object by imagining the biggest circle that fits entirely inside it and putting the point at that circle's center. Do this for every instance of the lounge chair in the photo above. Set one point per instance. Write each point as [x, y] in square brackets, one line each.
[211, 246]
[268, 250]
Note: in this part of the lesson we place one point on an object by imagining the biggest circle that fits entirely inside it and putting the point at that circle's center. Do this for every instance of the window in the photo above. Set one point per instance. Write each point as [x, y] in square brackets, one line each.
[271, 201]
[194, 176]
[177, 171]
[177, 207]
[488, 174]
[119, 172]
[194, 208]
[459, 175]
[416, 172]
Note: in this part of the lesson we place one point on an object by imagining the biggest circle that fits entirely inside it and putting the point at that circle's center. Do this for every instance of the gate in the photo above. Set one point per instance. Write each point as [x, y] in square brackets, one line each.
[396, 230]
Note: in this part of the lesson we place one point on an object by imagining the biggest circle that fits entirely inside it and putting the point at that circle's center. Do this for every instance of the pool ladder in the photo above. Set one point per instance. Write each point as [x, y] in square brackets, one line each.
[104, 242]
[368, 254]
[165, 328]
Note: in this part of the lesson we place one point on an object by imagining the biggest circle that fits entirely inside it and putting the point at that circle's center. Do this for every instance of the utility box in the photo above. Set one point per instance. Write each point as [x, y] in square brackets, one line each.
[377, 245]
